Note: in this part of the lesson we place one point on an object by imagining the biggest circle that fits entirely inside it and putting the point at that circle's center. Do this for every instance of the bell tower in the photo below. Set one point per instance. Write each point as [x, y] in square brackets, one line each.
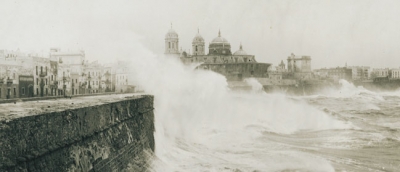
[198, 44]
[171, 42]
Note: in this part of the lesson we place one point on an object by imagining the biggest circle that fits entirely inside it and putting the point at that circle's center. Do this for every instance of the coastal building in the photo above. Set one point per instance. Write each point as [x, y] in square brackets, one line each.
[220, 59]
[299, 66]
[94, 72]
[281, 67]
[121, 77]
[9, 78]
[395, 73]
[360, 72]
[380, 72]
[26, 86]
[334, 74]
[41, 76]
[70, 70]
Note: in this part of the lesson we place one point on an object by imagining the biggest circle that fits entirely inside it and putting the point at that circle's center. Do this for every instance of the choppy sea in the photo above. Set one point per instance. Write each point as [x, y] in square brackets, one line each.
[203, 126]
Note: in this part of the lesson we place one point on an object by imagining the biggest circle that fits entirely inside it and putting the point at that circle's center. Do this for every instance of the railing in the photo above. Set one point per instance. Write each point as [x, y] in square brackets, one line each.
[9, 81]
[43, 74]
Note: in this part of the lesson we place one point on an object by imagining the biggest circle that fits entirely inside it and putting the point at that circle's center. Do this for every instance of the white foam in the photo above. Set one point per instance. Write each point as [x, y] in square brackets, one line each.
[196, 108]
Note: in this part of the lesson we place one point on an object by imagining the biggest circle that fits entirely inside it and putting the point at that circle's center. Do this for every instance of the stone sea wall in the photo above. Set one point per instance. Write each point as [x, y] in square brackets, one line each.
[112, 136]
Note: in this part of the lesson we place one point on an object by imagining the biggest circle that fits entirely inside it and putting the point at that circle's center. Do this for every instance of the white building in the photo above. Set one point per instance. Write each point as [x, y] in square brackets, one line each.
[380, 72]
[395, 73]
[360, 72]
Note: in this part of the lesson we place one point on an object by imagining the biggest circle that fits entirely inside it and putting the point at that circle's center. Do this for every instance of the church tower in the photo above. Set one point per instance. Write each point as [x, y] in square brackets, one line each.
[171, 42]
[198, 44]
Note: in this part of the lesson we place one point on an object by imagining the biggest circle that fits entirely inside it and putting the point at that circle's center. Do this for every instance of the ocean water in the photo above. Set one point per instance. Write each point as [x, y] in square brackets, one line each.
[201, 125]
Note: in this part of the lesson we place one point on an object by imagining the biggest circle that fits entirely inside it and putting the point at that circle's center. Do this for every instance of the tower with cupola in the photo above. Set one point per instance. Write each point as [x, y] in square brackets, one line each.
[198, 47]
[171, 42]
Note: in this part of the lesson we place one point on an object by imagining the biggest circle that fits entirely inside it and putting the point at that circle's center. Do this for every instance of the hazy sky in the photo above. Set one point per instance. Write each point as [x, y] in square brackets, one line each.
[359, 32]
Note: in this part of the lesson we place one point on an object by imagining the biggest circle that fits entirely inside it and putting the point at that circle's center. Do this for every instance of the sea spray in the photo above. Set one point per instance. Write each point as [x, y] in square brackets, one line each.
[196, 114]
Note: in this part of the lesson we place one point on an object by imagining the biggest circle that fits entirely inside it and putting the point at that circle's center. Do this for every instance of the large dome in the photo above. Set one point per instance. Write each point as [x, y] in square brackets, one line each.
[171, 34]
[240, 51]
[220, 40]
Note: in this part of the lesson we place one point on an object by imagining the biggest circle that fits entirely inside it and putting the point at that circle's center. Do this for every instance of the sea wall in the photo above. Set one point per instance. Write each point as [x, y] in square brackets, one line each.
[379, 86]
[112, 135]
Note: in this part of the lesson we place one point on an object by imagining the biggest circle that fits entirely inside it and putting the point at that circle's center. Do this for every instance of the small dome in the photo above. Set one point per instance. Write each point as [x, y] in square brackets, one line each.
[240, 51]
[198, 37]
[220, 40]
[171, 34]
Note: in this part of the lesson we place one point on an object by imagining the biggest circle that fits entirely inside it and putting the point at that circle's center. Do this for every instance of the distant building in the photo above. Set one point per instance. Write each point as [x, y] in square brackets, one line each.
[9, 78]
[395, 73]
[299, 66]
[360, 72]
[70, 70]
[26, 83]
[380, 72]
[220, 59]
[172, 43]
[281, 67]
[334, 73]
[121, 77]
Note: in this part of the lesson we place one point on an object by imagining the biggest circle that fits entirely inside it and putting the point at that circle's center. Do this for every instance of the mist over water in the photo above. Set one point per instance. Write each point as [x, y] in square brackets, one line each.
[201, 125]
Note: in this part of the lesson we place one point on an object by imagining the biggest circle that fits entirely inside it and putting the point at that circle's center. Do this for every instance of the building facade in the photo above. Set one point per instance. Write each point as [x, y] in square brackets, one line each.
[299, 67]
[220, 59]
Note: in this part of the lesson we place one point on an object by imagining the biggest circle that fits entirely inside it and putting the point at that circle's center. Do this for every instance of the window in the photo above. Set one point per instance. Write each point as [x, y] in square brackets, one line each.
[46, 81]
[169, 44]
[23, 91]
[46, 91]
[41, 69]
[0, 92]
[37, 81]
[36, 70]
[37, 91]
[51, 77]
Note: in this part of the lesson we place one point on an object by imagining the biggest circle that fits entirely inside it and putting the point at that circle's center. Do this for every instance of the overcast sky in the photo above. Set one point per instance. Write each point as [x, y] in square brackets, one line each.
[332, 32]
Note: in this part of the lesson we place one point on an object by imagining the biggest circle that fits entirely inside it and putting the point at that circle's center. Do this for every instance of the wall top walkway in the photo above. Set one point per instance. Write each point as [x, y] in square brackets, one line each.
[10, 111]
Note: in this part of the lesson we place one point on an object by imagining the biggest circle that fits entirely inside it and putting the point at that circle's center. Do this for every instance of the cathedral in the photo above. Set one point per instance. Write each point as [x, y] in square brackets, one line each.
[220, 59]
[219, 50]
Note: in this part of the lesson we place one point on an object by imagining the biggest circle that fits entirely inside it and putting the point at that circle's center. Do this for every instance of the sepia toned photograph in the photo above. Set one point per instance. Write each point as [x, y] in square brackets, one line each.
[199, 86]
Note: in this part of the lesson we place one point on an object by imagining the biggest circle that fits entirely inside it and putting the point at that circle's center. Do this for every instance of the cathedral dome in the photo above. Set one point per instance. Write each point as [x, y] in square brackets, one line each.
[171, 34]
[220, 40]
[240, 51]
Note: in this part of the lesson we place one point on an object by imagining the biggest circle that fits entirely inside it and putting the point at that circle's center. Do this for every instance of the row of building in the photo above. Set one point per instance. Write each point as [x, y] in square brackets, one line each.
[238, 65]
[61, 73]
[358, 73]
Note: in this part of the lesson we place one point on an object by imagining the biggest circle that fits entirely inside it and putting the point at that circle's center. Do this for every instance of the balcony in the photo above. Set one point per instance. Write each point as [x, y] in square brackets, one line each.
[43, 74]
[66, 78]
[9, 81]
